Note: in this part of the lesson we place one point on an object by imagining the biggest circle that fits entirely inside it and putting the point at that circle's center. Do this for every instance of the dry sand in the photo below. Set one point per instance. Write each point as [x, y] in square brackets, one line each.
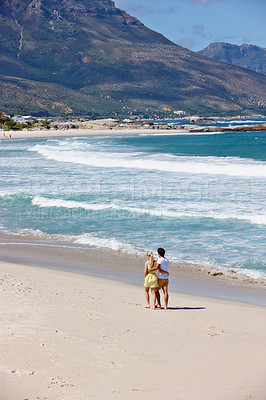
[66, 336]
[83, 132]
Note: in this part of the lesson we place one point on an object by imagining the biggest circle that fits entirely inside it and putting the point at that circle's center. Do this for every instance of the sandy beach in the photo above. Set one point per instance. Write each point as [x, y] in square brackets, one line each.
[83, 132]
[73, 336]
[74, 325]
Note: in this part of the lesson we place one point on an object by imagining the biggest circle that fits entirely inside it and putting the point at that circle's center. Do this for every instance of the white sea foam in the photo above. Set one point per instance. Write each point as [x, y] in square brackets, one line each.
[231, 166]
[183, 134]
[31, 232]
[108, 243]
[240, 122]
[215, 209]
[243, 274]
[85, 239]
[10, 193]
[74, 145]
[91, 240]
[48, 202]
[161, 213]
[245, 121]
[250, 273]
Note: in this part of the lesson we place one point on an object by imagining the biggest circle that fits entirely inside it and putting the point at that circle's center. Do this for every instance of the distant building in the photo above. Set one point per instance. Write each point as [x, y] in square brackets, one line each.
[180, 113]
[22, 119]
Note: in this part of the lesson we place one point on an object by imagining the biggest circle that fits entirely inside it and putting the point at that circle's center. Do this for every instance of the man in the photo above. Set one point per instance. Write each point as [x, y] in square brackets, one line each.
[163, 264]
[163, 267]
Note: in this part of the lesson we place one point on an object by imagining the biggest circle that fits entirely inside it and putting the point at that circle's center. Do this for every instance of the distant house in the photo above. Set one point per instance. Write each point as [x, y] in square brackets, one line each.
[22, 119]
[180, 113]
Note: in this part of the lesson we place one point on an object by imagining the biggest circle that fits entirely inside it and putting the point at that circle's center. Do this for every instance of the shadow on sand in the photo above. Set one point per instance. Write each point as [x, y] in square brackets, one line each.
[186, 308]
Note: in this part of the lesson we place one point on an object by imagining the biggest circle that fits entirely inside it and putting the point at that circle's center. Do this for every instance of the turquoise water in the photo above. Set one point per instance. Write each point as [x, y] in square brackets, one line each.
[201, 196]
[225, 122]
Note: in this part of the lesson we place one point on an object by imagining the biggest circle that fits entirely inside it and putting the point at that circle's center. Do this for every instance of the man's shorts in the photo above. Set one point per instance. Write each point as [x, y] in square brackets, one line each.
[163, 283]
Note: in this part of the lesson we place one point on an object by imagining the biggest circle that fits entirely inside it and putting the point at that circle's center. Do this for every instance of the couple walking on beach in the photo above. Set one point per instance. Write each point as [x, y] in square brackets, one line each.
[156, 278]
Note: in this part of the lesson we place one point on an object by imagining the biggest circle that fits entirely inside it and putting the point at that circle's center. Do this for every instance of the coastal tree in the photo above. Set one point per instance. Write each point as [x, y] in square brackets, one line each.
[3, 118]
[46, 123]
[14, 126]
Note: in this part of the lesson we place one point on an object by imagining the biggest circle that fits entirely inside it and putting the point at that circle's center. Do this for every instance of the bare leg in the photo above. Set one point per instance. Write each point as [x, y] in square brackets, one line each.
[166, 297]
[147, 296]
[153, 292]
[158, 297]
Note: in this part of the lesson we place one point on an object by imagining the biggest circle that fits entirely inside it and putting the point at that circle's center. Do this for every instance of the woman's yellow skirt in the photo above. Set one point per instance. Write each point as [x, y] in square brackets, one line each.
[151, 281]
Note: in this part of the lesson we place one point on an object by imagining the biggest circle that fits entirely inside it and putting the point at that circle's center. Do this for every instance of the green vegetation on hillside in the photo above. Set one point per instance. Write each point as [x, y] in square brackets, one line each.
[90, 58]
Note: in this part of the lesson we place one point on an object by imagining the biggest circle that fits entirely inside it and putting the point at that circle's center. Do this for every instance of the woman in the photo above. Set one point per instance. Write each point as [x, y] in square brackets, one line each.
[151, 280]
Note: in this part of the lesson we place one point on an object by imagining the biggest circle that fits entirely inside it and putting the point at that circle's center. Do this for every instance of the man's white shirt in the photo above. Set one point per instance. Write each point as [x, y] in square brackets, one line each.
[164, 264]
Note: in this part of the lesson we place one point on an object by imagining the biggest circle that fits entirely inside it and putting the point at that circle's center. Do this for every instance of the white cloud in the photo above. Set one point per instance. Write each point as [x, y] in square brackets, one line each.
[224, 38]
[246, 39]
[203, 2]
[199, 30]
[187, 42]
[142, 7]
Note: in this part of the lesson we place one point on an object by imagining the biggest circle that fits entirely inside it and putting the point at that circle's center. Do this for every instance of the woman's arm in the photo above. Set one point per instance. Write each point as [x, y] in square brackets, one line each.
[162, 271]
[146, 270]
[154, 268]
[157, 266]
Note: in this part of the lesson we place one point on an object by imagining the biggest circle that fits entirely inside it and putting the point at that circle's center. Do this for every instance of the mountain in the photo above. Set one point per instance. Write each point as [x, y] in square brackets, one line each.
[87, 57]
[245, 56]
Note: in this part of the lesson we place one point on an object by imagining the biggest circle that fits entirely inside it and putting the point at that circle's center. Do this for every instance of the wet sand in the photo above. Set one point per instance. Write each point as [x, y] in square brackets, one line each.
[102, 263]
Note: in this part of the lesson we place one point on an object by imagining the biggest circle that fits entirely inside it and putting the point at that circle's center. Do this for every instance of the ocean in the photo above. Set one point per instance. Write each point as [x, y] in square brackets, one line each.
[200, 196]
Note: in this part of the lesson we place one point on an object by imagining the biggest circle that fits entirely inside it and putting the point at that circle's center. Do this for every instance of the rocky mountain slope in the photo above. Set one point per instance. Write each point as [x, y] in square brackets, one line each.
[89, 57]
[245, 56]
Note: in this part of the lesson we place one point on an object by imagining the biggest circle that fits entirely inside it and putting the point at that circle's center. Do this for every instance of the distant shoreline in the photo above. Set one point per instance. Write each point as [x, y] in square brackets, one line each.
[53, 133]
[188, 129]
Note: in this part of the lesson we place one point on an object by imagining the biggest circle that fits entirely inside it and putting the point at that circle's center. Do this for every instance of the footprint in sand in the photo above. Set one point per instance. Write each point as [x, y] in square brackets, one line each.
[61, 382]
[214, 331]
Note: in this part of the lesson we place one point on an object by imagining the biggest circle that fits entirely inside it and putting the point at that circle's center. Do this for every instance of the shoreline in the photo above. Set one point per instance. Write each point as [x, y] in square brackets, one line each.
[85, 132]
[62, 334]
[128, 268]
[65, 133]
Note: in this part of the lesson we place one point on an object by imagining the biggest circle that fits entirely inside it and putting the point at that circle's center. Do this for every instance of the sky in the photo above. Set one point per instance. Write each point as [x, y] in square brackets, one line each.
[195, 24]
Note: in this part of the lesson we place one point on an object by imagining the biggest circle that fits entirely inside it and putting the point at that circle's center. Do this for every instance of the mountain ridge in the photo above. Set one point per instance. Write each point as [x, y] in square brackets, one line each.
[247, 56]
[87, 56]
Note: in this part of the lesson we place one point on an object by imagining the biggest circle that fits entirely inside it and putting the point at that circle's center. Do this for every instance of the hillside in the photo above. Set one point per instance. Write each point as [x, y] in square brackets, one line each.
[245, 56]
[88, 57]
